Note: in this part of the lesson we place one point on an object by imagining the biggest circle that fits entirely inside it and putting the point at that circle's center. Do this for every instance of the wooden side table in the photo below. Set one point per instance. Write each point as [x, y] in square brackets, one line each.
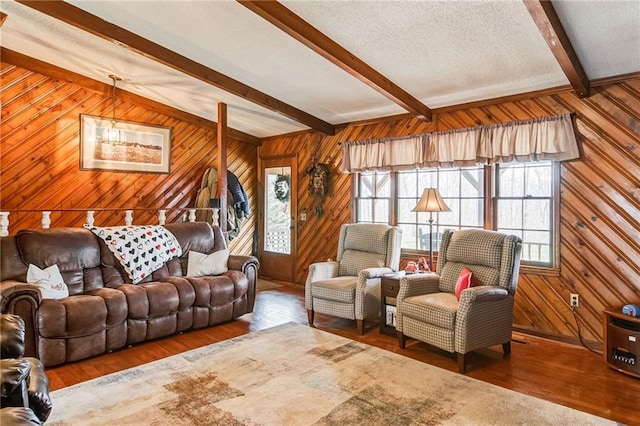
[390, 284]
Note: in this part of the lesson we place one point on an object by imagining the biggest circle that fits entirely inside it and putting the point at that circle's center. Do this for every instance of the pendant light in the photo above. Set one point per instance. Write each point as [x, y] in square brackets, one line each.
[113, 134]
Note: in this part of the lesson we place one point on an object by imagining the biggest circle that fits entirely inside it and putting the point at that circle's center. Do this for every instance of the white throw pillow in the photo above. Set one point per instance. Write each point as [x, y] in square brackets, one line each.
[49, 281]
[200, 265]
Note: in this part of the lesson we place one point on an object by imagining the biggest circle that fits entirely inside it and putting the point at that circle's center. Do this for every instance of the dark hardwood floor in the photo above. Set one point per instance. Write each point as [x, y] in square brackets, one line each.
[558, 372]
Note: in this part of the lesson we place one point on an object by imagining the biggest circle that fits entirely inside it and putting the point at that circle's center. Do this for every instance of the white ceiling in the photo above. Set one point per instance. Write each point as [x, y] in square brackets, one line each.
[441, 52]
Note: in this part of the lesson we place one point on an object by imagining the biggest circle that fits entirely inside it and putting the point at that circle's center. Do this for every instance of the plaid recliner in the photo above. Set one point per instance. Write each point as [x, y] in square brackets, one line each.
[349, 287]
[428, 309]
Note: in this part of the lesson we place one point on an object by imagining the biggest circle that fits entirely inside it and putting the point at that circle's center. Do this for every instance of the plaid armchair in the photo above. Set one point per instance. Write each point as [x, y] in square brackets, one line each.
[349, 287]
[427, 306]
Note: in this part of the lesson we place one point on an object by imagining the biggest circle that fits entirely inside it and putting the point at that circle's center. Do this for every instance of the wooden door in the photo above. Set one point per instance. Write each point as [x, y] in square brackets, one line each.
[277, 251]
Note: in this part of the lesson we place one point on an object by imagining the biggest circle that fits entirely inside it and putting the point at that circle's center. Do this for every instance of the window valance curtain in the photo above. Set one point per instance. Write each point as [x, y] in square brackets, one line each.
[547, 138]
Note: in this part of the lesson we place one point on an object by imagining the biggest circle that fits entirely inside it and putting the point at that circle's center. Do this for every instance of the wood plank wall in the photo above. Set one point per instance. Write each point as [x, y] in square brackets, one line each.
[600, 206]
[600, 203]
[39, 159]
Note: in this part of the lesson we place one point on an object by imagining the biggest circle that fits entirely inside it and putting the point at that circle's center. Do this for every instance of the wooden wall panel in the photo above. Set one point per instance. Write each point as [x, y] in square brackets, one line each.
[40, 163]
[600, 193]
[600, 202]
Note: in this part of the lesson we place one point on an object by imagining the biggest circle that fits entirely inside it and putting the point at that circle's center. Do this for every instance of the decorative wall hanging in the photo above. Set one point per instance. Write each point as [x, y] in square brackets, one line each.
[282, 188]
[319, 178]
[138, 147]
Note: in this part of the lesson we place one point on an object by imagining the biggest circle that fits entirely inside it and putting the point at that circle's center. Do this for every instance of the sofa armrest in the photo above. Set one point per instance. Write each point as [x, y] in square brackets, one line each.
[368, 280]
[11, 291]
[38, 390]
[474, 296]
[14, 379]
[414, 285]
[367, 303]
[481, 309]
[241, 263]
[417, 284]
[318, 271]
[23, 300]
[249, 266]
[483, 293]
[369, 273]
[18, 416]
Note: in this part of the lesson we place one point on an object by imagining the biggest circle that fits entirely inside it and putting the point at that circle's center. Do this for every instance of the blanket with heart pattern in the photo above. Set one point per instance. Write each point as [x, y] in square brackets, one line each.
[140, 249]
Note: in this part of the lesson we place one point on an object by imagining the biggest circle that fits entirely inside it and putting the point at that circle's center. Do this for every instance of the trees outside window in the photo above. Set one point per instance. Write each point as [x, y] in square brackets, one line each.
[523, 201]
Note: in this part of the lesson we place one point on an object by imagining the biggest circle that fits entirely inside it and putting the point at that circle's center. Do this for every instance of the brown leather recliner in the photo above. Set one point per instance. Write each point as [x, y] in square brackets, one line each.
[24, 382]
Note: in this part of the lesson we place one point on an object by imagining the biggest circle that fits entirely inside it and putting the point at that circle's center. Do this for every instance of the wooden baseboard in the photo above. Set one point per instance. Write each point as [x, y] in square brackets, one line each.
[571, 340]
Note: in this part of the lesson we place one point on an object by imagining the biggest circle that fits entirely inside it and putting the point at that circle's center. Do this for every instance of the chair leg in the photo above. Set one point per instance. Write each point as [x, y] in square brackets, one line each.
[506, 347]
[360, 324]
[462, 364]
[310, 317]
[402, 340]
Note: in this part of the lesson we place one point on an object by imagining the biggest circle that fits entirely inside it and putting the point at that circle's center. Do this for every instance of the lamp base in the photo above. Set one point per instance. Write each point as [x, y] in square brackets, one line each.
[431, 265]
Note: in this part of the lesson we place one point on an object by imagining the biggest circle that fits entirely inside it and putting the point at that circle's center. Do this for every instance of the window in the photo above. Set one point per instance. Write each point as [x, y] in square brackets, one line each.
[524, 204]
[462, 189]
[373, 193]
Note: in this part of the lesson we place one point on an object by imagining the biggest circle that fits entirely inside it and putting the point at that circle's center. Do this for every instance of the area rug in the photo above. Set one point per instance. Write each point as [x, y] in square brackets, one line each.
[296, 375]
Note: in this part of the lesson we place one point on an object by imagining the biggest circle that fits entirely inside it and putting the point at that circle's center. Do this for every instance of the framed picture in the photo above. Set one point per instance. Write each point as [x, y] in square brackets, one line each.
[129, 146]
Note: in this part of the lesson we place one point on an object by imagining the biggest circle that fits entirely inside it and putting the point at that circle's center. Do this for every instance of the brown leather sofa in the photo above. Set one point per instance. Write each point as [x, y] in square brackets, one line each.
[25, 387]
[104, 311]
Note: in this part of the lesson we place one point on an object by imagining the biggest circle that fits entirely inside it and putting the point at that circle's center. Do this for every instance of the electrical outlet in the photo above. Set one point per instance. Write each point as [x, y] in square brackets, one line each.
[574, 300]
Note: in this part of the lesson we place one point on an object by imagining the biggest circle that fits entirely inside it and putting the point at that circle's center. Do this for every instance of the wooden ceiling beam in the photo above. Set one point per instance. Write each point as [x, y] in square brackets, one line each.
[283, 18]
[3, 17]
[79, 18]
[19, 60]
[546, 18]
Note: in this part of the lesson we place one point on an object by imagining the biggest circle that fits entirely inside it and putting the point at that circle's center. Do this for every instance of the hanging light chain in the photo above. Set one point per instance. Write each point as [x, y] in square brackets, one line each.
[113, 135]
[115, 78]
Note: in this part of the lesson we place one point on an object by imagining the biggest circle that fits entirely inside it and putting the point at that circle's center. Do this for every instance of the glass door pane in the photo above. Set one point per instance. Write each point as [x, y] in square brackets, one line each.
[277, 210]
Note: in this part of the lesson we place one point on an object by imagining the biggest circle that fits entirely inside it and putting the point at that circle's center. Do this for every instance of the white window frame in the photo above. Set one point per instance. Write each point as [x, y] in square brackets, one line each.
[491, 200]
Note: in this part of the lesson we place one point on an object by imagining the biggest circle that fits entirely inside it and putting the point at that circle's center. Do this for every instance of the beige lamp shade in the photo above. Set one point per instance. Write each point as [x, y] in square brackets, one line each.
[431, 201]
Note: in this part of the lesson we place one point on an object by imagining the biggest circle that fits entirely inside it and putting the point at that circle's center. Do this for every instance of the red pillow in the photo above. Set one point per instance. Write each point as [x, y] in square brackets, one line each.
[465, 280]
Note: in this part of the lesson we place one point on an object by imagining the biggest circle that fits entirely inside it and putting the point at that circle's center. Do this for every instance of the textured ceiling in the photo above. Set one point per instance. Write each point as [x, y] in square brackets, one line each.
[441, 52]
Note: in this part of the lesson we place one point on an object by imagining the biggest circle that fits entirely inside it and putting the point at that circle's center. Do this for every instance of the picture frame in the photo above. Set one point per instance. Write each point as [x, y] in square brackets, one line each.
[128, 146]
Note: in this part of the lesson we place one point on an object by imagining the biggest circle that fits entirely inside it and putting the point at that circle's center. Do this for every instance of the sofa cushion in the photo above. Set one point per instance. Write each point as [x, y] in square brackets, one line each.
[11, 265]
[450, 272]
[438, 309]
[151, 300]
[485, 248]
[74, 250]
[49, 281]
[201, 264]
[116, 304]
[213, 291]
[466, 279]
[74, 316]
[370, 237]
[353, 261]
[339, 289]
[196, 236]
